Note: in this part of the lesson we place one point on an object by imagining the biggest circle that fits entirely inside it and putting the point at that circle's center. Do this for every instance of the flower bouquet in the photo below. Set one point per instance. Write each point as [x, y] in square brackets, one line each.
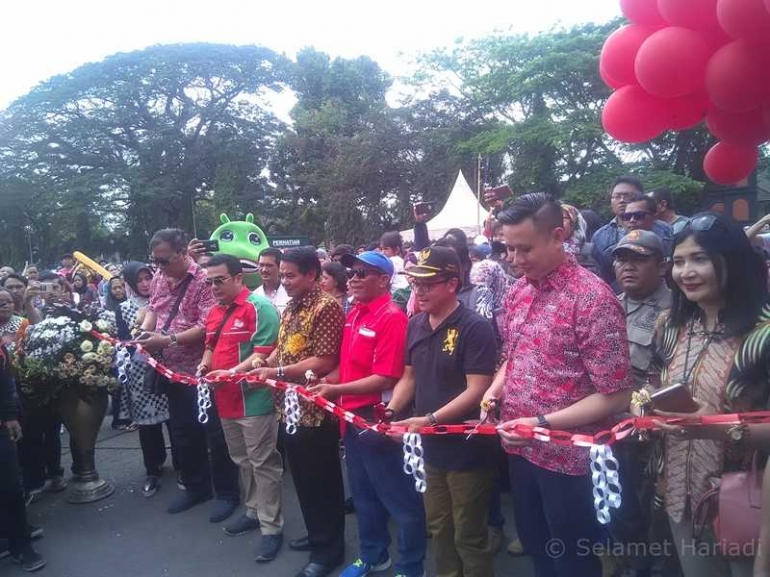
[61, 352]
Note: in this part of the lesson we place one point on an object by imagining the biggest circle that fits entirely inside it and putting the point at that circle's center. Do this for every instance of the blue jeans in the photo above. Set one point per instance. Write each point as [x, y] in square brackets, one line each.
[380, 490]
[555, 520]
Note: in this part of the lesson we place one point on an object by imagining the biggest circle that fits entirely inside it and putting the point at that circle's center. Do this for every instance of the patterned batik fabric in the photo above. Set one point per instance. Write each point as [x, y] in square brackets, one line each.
[310, 327]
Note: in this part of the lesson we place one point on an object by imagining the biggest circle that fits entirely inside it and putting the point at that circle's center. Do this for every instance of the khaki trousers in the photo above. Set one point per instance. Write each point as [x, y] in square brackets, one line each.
[457, 506]
[251, 442]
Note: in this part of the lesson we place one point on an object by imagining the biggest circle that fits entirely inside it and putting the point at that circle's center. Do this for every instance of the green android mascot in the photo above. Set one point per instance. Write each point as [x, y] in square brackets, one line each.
[243, 240]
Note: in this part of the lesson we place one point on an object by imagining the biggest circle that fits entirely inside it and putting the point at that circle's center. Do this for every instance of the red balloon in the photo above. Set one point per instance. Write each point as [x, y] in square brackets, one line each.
[632, 115]
[672, 62]
[619, 52]
[609, 80]
[643, 12]
[735, 80]
[728, 163]
[695, 14]
[744, 18]
[744, 128]
[687, 111]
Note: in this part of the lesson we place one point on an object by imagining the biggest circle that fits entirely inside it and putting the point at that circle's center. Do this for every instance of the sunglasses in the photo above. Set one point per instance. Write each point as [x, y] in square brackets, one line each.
[636, 215]
[702, 223]
[361, 273]
[219, 281]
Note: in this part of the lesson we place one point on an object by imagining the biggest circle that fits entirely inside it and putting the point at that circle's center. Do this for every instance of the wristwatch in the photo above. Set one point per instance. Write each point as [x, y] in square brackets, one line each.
[542, 422]
[432, 421]
[738, 433]
[280, 374]
[172, 339]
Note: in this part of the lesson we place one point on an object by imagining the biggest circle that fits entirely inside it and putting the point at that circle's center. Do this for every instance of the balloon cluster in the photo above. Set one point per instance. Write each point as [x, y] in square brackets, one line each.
[682, 61]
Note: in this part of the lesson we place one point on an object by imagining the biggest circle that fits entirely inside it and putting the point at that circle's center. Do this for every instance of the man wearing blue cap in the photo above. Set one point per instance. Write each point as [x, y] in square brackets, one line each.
[371, 362]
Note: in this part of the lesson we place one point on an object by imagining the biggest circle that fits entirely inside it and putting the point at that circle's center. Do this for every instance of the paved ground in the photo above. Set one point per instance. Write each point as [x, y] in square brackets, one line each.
[127, 535]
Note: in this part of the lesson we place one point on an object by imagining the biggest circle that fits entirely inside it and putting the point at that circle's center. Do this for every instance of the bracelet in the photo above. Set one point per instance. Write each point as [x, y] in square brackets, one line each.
[257, 363]
[280, 373]
[488, 404]
[432, 421]
[173, 342]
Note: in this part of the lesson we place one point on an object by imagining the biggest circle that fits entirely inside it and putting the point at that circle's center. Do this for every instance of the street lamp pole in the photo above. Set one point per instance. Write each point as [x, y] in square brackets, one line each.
[28, 228]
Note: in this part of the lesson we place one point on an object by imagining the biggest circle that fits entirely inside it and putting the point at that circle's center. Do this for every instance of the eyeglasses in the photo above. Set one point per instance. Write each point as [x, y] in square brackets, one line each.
[360, 272]
[636, 215]
[425, 287]
[218, 281]
[160, 261]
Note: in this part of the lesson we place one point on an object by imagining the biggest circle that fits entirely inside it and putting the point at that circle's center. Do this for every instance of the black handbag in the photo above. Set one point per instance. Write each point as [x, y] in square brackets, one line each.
[154, 382]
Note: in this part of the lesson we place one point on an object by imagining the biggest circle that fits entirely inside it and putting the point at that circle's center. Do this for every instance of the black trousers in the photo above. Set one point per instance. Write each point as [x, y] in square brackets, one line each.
[314, 459]
[40, 447]
[202, 449]
[13, 512]
[153, 445]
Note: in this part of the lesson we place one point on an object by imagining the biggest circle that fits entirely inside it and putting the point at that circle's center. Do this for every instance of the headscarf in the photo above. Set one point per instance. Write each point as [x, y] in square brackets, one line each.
[113, 304]
[574, 244]
[131, 272]
[492, 281]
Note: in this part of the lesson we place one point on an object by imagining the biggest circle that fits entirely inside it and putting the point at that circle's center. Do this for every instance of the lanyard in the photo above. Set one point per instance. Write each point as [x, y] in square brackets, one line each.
[709, 339]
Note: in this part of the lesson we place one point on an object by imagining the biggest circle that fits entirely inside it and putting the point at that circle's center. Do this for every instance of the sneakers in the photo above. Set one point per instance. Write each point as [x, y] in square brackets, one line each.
[268, 548]
[186, 501]
[240, 526]
[361, 569]
[222, 510]
[29, 559]
[151, 486]
[516, 549]
[35, 532]
[180, 484]
[55, 485]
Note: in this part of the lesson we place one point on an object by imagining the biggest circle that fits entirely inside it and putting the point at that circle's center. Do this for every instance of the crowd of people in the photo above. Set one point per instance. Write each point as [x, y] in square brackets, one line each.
[550, 319]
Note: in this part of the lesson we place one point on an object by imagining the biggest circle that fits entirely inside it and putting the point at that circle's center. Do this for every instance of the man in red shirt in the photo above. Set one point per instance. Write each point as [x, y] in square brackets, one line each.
[568, 368]
[241, 332]
[372, 361]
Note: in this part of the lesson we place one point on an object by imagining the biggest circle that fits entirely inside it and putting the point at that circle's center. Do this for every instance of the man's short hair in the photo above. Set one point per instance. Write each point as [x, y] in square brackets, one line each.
[305, 258]
[174, 237]
[629, 180]
[652, 206]
[663, 194]
[274, 253]
[341, 249]
[233, 264]
[17, 276]
[542, 208]
[392, 240]
[68, 255]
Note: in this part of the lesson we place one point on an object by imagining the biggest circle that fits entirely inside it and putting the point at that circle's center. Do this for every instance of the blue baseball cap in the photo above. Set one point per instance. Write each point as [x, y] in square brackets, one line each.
[372, 258]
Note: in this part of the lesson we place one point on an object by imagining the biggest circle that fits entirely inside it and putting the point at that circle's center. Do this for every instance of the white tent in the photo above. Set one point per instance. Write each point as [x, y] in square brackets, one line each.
[462, 210]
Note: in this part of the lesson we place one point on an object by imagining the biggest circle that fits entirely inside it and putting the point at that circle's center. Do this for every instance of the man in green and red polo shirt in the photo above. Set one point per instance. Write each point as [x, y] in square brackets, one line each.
[371, 362]
[241, 331]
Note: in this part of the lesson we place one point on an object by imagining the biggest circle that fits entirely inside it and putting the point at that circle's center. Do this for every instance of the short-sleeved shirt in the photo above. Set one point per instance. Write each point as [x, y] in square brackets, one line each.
[566, 341]
[311, 326]
[193, 311]
[641, 319]
[373, 343]
[441, 358]
[279, 298]
[252, 327]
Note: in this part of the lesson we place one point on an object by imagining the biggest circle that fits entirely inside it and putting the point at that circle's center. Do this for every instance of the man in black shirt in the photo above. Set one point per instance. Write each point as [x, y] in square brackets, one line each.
[450, 359]
[13, 512]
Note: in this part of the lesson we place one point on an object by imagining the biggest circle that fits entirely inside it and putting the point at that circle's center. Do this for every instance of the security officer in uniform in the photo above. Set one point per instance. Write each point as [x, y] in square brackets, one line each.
[640, 267]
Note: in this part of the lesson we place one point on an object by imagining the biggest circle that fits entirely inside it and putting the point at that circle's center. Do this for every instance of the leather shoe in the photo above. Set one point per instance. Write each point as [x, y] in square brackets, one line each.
[301, 544]
[316, 570]
[186, 501]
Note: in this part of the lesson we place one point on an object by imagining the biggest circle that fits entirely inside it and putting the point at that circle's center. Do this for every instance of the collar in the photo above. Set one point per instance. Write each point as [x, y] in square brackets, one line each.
[449, 320]
[242, 296]
[559, 277]
[655, 298]
[313, 295]
[374, 305]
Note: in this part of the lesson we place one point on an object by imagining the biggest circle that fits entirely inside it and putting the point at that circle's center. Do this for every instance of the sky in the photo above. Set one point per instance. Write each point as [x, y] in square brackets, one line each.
[42, 38]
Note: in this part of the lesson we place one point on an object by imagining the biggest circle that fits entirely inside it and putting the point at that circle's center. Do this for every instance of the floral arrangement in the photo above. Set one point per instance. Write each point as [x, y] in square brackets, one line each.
[62, 352]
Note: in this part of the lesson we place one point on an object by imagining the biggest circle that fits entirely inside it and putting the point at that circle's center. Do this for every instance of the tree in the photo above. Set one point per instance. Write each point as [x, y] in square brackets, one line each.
[132, 142]
[541, 99]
